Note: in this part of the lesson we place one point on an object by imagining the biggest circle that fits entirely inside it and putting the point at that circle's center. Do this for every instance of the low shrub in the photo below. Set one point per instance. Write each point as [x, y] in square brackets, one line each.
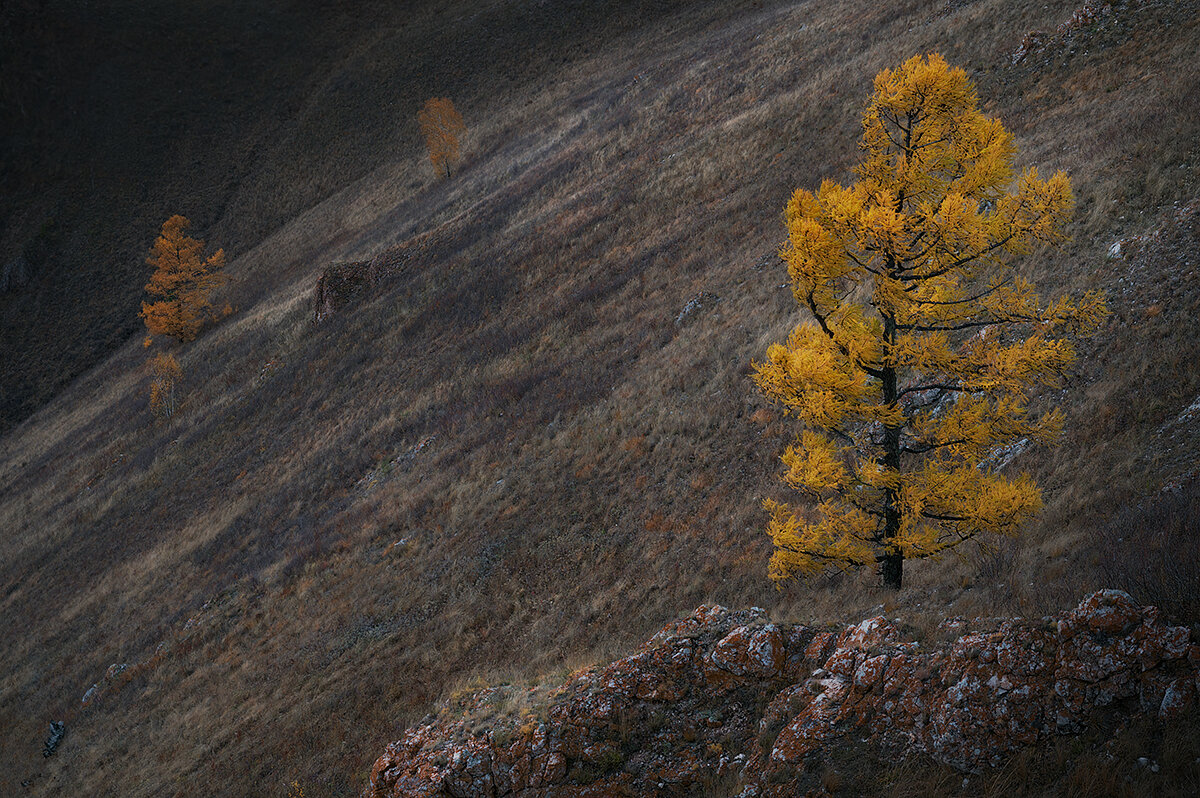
[1152, 551]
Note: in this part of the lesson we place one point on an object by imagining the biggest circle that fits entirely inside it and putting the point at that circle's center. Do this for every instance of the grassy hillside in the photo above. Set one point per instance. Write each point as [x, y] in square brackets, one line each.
[239, 115]
[515, 456]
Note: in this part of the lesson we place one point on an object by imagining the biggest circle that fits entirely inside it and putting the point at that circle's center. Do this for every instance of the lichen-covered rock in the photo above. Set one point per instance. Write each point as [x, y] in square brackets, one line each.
[725, 695]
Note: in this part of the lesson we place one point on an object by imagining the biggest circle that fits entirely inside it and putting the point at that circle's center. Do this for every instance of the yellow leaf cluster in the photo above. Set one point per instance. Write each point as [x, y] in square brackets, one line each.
[813, 375]
[922, 347]
[839, 540]
[814, 464]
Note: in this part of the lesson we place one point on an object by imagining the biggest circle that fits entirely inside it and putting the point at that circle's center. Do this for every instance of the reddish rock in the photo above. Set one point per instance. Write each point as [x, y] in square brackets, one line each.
[869, 674]
[821, 646]
[683, 711]
[748, 651]
[1110, 611]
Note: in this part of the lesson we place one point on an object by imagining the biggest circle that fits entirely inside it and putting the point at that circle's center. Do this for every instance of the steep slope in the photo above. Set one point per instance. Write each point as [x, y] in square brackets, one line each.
[518, 454]
[239, 115]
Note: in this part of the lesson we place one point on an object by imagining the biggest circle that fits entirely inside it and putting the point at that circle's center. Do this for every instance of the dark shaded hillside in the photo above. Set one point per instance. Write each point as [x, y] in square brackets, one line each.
[237, 115]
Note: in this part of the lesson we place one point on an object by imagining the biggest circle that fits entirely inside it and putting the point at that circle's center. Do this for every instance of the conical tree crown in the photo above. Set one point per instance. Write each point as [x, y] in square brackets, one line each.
[183, 281]
[911, 376]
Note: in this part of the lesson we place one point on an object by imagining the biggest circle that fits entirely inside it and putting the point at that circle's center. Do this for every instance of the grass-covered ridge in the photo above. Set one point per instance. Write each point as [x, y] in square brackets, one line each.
[512, 460]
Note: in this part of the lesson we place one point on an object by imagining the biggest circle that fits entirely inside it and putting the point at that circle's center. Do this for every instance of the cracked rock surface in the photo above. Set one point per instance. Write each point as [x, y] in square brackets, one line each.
[727, 697]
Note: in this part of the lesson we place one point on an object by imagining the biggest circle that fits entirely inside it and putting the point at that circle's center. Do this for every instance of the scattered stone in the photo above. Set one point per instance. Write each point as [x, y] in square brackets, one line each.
[1083, 20]
[1002, 456]
[343, 284]
[339, 284]
[57, 730]
[694, 306]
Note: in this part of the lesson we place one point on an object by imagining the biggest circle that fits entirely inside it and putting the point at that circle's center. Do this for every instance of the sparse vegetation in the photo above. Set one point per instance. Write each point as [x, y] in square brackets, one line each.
[1152, 551]
[531, 339]
[165, 374]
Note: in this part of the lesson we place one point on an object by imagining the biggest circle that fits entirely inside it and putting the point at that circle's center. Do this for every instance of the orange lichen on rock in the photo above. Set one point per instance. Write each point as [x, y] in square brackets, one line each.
[727, 694]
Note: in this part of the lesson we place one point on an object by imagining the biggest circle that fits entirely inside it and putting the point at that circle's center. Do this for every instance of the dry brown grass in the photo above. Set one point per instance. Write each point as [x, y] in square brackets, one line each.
[563, 467]
[1144, 759]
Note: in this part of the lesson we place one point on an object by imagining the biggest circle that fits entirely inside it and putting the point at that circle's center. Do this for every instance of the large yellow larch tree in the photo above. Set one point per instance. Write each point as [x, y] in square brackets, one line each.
[914, 368]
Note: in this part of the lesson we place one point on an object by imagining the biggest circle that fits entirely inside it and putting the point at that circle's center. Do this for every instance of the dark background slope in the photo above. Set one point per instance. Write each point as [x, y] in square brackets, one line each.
[238, 115]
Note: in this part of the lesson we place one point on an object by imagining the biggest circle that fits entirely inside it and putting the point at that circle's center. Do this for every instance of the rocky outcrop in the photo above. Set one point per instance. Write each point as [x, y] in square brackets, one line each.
[695, 306]
[728, 698]
[342, 284]
[1093, 24]
[339, 284]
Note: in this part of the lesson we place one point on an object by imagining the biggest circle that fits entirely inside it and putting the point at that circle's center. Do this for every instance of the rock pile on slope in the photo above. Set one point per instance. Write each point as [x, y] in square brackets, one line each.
[725, 699]
[1092, 23]
[57, 730]
[338, 284]
[342, 284]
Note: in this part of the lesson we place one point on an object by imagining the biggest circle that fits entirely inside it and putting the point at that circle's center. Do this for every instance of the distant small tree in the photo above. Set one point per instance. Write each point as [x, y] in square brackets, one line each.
[183, 280]
[912, 376]
[441, 125]
[165, 374]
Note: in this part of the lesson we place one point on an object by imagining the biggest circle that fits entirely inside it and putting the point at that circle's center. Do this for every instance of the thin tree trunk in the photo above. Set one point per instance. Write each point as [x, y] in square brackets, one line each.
[891, 563]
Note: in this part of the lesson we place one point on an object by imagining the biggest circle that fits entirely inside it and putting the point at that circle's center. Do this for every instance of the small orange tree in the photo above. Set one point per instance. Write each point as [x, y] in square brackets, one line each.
[441, 125]
[913, 374]
[183, 279]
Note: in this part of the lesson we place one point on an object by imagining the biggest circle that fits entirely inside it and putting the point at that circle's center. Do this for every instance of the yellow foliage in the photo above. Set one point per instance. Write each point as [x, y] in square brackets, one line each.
[441, 125]
[910, 395]
[183, 280]
[814, 465]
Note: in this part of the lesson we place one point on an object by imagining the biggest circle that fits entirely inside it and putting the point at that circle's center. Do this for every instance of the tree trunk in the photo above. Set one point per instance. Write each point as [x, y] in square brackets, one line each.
[891, 563]
[892, 570]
